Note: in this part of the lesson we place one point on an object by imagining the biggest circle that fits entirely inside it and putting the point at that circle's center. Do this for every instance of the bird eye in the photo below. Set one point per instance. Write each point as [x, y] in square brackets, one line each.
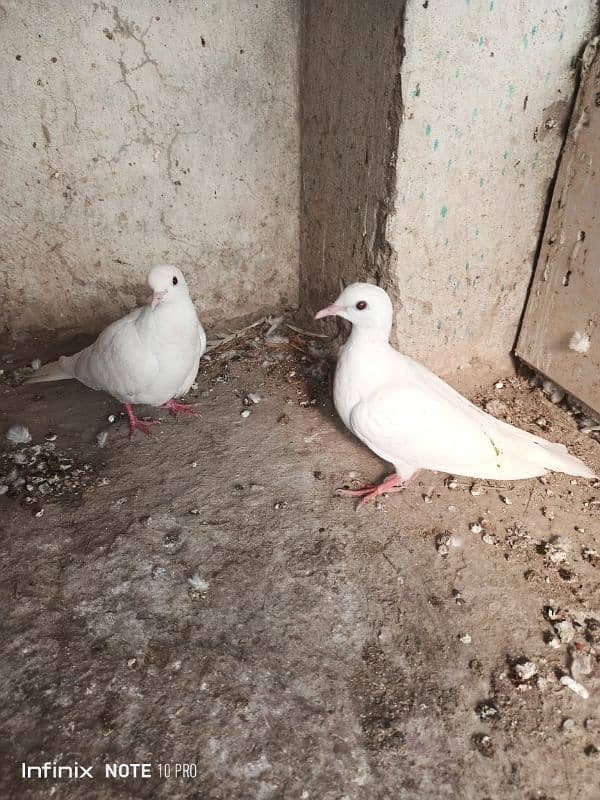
[174, 280]
[361, 305]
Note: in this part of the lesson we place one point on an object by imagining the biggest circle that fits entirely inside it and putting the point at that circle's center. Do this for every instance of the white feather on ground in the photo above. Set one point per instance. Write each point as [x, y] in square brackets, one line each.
[18, 434]
[413, 419]
[579, 342]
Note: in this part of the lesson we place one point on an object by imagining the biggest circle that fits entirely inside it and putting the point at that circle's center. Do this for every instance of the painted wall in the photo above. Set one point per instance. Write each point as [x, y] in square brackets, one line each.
[487, 95]
[140, 133]
[486, 89]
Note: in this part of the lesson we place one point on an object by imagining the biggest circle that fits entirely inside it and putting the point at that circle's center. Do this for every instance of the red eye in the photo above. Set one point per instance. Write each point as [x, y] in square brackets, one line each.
[361, 305]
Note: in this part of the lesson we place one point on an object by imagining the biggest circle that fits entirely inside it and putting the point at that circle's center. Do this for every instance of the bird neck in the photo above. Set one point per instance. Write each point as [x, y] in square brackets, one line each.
[371, 336]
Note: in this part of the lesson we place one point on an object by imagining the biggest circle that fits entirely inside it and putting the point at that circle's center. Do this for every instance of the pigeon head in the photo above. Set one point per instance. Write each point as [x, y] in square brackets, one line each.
[167, 284]
[366, 306]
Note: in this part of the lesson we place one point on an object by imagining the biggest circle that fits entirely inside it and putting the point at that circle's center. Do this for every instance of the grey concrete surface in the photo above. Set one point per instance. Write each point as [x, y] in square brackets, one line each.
[138, 133]
[328, 654]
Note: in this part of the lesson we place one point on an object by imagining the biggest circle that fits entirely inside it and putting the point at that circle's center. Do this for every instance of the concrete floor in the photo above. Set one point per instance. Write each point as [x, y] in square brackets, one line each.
[328, 655]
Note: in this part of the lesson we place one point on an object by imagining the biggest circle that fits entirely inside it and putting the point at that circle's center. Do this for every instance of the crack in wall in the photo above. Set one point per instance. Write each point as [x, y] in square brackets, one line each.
[126, 29]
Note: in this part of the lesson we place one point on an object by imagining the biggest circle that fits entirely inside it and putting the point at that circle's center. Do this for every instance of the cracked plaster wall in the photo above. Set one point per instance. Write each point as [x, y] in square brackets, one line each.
[145, 133]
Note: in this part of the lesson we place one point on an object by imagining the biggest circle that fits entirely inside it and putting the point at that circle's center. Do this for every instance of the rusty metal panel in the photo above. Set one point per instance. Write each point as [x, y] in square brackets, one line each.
[560, 335]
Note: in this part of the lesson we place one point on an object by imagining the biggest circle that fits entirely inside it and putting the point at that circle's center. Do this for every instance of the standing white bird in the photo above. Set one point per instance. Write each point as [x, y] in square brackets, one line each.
[150, 356]
[413, 419]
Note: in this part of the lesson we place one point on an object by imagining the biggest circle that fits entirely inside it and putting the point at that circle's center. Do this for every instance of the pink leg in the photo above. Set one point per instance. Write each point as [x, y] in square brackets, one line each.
[393, 483]
[134, 422]
[180, 408]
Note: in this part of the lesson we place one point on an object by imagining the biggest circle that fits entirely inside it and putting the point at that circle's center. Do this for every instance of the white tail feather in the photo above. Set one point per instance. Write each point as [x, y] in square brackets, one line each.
[54, 371]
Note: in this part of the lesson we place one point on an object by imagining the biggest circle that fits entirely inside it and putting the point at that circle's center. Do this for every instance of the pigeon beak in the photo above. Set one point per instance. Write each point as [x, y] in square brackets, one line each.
[157, 297]
[330, 311]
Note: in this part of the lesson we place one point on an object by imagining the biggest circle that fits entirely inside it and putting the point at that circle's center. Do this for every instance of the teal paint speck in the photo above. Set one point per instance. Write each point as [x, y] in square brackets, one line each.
[474, 114]
[427, 129]
[449, 164]
[475, 281]
[422, 196]
[505, 155]
[510, 119]
[534, 30]
[439, 325]
[446, 242]
[459, 313]
[525, 41]
[438, 55]
[477, 233]
[404, 198]
[481, 257]
[481, 181]
[534, 163]
[443, 212]
[436, 144]
[467, 266]
[492, 5]
[481, 41]
[560, 38]
[456, 132]
[510, 89]
[457, 73]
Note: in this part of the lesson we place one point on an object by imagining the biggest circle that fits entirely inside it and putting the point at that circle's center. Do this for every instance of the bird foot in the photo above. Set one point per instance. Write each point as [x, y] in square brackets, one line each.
[180, 408]
[366, 489]
[393, 483]
[138, 424]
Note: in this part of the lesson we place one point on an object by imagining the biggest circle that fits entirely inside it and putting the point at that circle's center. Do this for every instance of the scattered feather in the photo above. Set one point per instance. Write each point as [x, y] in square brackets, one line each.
[579, 342]
[102, 438]
[36, 364]
[198, 584]
[18, 434]
[575, 686]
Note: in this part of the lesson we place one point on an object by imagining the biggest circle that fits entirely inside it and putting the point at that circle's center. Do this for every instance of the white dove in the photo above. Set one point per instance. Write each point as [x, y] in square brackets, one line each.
[150, 356]
[413, 419]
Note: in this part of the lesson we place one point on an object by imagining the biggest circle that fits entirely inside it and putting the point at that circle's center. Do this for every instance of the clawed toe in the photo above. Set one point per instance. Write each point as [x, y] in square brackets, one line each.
[393, 483]
[181, 408]
[354, 492]
[144, 426]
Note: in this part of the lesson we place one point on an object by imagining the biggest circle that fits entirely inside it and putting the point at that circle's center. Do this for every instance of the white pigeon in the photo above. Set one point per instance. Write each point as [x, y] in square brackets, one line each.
[150, 356]
[413, 419]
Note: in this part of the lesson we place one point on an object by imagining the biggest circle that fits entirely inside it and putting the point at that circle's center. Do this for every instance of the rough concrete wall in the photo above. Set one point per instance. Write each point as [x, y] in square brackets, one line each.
[141, 133]
[487, 90]
[350, 113]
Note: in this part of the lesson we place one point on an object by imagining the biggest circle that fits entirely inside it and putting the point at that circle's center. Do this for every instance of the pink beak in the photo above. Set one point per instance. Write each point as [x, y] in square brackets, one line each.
[330, 311]
[156, 298]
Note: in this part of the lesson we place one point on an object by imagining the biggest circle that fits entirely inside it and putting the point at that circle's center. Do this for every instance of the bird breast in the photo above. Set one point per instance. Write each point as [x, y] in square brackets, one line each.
[357, 375]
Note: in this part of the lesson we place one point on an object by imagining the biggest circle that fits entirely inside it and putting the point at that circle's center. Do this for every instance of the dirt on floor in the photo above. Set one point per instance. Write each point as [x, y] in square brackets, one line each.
[202, 603]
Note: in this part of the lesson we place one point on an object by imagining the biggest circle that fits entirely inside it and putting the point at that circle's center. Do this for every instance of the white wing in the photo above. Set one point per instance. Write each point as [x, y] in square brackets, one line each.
[423, 427]
[119, 361]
